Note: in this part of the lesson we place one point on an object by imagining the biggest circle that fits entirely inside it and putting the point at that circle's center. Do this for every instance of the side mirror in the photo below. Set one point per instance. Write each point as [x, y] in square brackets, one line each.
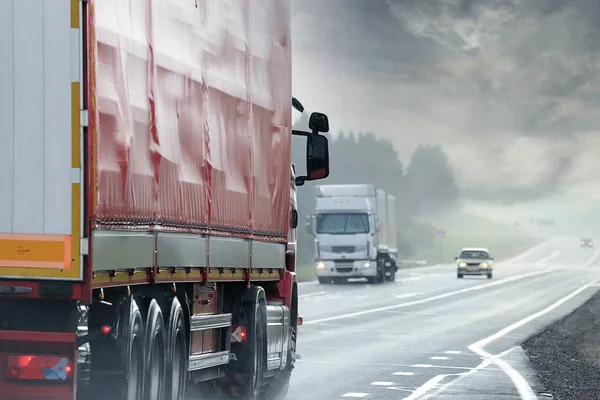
[492, 258]
[294, 218]
[297, 105]
[317, 157]
[317, 148]
[318, 122]
[456, 258]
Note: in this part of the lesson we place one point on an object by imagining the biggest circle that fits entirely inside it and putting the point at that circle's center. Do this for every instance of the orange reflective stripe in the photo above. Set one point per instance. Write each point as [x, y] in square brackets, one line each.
[35, 251]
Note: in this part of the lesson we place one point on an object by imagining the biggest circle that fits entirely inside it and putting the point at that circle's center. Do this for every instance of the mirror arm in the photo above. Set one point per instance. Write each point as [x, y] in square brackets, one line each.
[300, 133]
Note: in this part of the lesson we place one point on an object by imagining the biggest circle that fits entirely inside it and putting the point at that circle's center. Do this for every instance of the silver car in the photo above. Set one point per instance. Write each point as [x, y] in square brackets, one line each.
[474, 261]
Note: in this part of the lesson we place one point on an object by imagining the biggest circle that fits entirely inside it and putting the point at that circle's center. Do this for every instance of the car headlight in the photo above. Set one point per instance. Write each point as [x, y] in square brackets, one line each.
[483, 265]
[581, 244]
[367, 265]
[320, 265]
[462, 264]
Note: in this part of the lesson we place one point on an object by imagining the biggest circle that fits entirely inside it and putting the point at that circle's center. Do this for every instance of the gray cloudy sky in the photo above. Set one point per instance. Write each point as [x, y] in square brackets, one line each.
[509, 88]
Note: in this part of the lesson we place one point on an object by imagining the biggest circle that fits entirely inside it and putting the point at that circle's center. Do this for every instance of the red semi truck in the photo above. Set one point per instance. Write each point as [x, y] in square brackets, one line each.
[147, 199]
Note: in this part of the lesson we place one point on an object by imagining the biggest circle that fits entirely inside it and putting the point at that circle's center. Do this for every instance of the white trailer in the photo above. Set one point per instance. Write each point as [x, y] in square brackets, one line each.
[352, 230]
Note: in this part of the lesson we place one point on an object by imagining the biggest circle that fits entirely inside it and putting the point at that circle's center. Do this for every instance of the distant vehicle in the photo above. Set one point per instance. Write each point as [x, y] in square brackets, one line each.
[354, 227]
[586, 243]
[474, 261]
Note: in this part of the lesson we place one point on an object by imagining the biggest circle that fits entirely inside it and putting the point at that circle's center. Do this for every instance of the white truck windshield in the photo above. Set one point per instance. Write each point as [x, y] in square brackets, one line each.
[342, 223]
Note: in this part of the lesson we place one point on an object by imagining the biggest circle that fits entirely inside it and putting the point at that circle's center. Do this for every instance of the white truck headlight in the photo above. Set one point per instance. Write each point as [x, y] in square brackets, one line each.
[321, 265]
[367, 265]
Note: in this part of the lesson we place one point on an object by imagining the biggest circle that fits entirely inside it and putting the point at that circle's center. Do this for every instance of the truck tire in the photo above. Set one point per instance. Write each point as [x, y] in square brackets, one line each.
[246, 381]
[324, 281]
[124, 353]
[155, 353]
[392, 277]
[134, 383]
[177, 353]
[380, 273]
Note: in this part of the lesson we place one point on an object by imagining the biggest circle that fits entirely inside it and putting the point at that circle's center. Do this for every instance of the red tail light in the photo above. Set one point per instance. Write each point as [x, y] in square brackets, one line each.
[238, 334]
[30, 367]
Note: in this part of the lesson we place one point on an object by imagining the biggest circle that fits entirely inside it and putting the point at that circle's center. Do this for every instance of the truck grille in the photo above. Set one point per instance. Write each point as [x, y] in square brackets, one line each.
[343, 249]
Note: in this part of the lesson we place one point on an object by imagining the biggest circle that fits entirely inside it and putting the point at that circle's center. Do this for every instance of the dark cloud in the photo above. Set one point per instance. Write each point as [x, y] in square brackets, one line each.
[517, 81]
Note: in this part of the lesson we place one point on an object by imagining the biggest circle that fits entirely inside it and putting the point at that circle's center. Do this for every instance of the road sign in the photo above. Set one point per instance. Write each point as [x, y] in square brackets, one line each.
[441, 234]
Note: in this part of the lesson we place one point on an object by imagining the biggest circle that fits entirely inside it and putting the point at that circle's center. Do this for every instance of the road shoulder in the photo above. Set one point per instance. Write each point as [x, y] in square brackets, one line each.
[567, 354]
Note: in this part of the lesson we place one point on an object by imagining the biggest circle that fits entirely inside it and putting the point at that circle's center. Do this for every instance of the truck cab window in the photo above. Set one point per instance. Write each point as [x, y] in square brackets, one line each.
[342, 223]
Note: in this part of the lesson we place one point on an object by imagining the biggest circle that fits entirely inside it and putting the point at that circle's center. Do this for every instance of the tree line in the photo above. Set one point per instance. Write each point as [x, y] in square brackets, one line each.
[424, 188]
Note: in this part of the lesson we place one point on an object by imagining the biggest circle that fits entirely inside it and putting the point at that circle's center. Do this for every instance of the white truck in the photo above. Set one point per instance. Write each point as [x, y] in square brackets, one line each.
[354, 229]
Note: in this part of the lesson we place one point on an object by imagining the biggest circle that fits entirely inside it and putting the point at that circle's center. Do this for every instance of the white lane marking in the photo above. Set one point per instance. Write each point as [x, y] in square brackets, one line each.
[382, 383]
[357, 395]
[429, 299]
[452, 352]
[439, 358]
[440, 367]
[427, 386]
[407, 295]
[403, 373]
[401, 389]
[483, 365]
[301, 296]
[520, 383]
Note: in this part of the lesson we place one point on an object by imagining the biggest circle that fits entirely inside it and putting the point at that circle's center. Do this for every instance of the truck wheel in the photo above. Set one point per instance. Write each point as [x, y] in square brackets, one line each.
[135, 355]
[245, 378]
[124, 353]
[176, 367]
[249, 388]
[380, 275]
[154, 349]
[392, 277]
[489, 276]
[324, 281]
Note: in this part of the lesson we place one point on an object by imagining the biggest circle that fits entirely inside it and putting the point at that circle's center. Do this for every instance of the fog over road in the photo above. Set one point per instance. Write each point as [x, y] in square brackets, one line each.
[431, 335]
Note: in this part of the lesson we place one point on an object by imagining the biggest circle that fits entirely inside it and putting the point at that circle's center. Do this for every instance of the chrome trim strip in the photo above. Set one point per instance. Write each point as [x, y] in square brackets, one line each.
[211, 321]
[208, 360]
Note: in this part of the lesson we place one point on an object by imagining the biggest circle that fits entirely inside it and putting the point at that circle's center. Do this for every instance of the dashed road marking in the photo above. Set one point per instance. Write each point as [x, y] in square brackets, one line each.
[407, 295]
[439, 358]
[355, 395]
[404, 373]
[302, 296]
[452, 352]
[382, 383]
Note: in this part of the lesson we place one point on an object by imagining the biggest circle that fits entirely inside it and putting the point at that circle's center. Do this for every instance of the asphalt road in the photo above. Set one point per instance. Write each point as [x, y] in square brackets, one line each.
[431, 335]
